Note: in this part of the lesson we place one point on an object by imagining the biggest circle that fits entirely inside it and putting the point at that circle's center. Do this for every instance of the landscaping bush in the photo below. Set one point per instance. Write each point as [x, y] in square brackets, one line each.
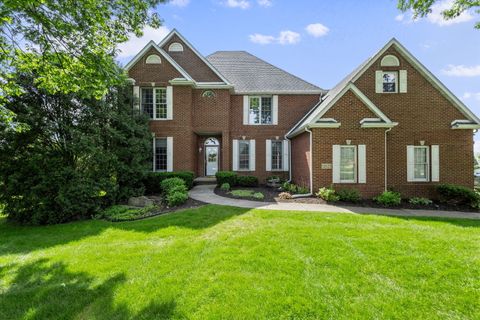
[225, 186]
[420, 201]
[349, 195]
[258, 195]
[176, 198]
[247, 181]
[169, 184]
[293, 188]
[124, 213]
[388, 198]
[229, 177]
[152, 180]
[178, 188]
[285, 196]
[327, 194]
[458, 195]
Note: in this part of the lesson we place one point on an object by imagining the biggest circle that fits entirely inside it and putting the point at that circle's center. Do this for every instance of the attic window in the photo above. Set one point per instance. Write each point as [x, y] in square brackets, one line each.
[153, 59]
[208, 94]
[175, 47]
[390, 61]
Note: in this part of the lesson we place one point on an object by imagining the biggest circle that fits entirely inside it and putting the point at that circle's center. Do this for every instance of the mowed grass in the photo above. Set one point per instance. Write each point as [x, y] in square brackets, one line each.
[229, 263]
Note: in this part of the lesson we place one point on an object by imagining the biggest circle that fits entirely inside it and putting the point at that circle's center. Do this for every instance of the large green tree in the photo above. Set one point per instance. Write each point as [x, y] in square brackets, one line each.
[421, 8]
[71, 44]
[79, 154]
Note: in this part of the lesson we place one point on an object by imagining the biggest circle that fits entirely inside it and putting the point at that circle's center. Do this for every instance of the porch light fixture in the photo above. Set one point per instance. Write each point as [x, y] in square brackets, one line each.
[200, 150]
[348, 141]
[243, 137]
[422, 142]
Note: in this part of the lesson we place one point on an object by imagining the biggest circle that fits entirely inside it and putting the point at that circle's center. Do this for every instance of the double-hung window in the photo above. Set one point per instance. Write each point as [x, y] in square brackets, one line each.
[277, 155]
[154, 102]
[420, 163]
[260, 110]
[161, 158]
[243, 154]
[390, 81]
[348, 164]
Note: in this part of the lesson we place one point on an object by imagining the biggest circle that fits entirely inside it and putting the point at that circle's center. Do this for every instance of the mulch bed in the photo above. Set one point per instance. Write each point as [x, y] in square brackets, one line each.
[269, 193]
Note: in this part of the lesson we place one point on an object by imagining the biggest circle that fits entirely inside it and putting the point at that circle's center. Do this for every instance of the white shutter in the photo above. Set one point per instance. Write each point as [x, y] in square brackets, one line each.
[169, 154]
[403, 81]
[136, 98]
[252, 155]
[153, 160]
[410, 163]
[362, 164]
[379, 81]
[435, 163]
[286, 152]
[245, 109]
[235, 156]
[336, 163]
[169, 102]
[275, 109]
[268, 155]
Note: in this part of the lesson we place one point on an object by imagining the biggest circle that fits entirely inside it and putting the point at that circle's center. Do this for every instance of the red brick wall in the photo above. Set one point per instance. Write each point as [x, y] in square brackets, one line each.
[423, 113]
[349, 111]
[191, 63]
[300, 148]
[144, 74]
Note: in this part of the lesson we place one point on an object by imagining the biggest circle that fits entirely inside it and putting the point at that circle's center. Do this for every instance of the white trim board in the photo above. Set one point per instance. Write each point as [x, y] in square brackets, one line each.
[175, 32]
[147, 47]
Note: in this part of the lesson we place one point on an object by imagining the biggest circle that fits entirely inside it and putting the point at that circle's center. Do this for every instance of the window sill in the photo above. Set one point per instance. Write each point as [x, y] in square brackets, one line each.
[159, 119]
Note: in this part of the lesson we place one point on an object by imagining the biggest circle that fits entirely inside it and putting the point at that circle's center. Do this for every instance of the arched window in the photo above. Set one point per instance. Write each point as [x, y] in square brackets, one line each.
[212, 142]
[175, 47]
[153, 59]
[390, 61]
[208, 94]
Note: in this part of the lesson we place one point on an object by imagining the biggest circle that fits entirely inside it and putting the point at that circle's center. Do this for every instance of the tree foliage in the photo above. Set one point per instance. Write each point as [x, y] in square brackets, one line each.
[71, 44]
[422, 8]
[79, 154]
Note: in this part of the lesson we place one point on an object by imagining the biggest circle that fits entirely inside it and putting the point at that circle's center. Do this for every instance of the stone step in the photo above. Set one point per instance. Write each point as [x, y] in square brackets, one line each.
[204, 180]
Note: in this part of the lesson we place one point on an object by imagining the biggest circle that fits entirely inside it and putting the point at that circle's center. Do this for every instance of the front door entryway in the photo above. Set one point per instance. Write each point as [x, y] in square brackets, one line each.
[211, 156]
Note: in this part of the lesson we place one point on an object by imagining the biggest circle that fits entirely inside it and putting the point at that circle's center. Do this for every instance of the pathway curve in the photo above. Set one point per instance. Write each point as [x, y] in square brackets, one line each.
[205, 193]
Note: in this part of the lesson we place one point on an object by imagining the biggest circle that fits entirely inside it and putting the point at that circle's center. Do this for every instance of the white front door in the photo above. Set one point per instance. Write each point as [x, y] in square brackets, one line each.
[211, 158]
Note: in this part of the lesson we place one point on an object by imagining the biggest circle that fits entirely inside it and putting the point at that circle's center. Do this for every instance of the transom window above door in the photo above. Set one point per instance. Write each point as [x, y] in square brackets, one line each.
[260, 110]
[154, 102]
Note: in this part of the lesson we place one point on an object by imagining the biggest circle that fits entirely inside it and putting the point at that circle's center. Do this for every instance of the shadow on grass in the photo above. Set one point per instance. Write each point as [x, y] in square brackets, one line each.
[23, 239]
[42, 290]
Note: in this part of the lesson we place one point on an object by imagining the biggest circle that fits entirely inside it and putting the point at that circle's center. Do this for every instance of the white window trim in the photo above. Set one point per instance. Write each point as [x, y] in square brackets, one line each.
[397, 81]
[282, 155]
[260, 110]
[249, 155]
[427, 178]
[169, 141]
[154, 102]
[355, 169]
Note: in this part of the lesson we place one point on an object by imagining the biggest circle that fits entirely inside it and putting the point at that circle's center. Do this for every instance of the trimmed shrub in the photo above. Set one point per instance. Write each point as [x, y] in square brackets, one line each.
[349, 195]
[152, 180]
[247, 181]
[169, 184]
[457, 195]
[293, 188]
[178, 188]
[229, 177]
[285, 196]
[327, 194]
[176, 198]
[388, 198]
[225, 186]
[420, 201]
[258, 195]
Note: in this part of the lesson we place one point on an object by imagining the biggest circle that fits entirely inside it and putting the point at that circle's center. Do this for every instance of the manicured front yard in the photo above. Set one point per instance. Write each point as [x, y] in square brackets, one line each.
[231, 263]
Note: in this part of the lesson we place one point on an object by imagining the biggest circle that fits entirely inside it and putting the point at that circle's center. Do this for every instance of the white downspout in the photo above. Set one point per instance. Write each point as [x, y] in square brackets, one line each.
[386, 131]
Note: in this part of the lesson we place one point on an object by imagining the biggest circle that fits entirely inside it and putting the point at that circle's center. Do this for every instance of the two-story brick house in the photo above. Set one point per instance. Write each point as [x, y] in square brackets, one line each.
[389, 124]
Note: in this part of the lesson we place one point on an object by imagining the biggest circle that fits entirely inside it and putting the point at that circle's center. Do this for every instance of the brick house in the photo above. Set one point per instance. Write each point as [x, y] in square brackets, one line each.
[389, 124]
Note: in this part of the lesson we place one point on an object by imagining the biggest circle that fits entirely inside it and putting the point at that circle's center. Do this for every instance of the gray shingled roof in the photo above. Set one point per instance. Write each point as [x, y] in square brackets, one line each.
[249, 74]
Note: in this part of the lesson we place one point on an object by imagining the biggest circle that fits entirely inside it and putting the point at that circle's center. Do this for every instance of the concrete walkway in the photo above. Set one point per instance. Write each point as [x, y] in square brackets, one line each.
[205, 193]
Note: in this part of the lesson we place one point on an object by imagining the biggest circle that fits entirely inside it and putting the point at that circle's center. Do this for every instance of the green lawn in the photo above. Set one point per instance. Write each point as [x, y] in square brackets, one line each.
[231, 263]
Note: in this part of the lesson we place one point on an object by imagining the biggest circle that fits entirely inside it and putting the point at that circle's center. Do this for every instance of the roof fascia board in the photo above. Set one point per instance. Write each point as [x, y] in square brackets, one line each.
[178, 34]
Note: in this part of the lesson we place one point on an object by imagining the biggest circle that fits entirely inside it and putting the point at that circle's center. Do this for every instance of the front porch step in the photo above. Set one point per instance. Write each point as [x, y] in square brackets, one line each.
[204, 180]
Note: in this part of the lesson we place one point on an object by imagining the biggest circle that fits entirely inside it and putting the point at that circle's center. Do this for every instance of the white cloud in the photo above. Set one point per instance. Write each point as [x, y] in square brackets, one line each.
[261, 38]
[400, 17]
[285, 37]
[462, 71]
[288, 37]
[242, 4]
[317, 30]
[265, 3]
[474, 95]
[134, 44]
[436, 16]
[179, 3]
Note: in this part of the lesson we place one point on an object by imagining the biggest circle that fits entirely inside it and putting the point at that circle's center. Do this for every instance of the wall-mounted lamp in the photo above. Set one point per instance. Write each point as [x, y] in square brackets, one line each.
[277, 138]
[348, 141]
[200, 150]
[422, 142]
[243, 137]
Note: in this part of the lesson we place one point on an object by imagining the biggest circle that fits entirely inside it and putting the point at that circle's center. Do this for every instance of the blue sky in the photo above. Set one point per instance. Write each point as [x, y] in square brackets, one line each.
[322, 41]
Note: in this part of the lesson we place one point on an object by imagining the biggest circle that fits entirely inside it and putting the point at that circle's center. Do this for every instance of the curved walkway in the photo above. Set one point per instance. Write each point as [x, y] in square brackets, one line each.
[205, 193]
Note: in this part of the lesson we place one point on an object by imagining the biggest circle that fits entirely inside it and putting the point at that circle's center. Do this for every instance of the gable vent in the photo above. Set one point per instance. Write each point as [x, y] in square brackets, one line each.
[175, 47]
